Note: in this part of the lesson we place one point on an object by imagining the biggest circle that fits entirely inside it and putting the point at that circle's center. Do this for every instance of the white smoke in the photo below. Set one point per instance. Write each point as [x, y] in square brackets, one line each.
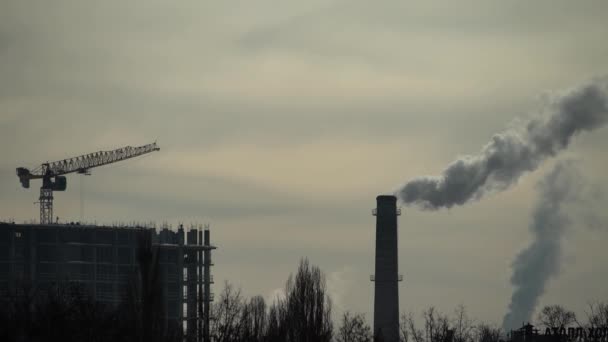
[514, 152]
[535, 265]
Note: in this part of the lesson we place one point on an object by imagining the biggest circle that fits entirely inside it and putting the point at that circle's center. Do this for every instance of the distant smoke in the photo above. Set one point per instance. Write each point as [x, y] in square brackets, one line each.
[510, 154]
[536, 264]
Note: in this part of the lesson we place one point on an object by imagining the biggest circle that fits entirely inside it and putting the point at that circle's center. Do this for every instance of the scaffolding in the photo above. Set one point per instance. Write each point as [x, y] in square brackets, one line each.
[198, 280]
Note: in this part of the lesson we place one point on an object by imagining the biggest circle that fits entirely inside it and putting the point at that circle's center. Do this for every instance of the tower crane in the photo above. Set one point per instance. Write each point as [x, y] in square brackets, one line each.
[52, 173]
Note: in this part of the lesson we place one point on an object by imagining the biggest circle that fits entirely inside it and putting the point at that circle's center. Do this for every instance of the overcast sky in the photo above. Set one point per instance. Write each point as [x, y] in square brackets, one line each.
[279, 123]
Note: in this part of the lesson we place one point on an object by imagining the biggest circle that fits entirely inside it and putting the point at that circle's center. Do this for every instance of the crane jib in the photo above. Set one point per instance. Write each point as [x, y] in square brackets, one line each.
[96, 159]
[52, 173]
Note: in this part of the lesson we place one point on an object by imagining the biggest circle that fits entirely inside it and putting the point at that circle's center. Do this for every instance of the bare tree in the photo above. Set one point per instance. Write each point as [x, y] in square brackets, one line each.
[597, 315]
[354, 329]
[226, 315]
[408, 329]
[275, 327]
[305, 313]
[555, 316]
[253, 320]
[404, 333]
[308, 312]
[463, 326]
[436, 325]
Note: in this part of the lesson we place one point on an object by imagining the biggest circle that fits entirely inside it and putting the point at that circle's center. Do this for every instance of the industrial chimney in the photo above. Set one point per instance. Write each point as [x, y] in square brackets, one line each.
[386, 296]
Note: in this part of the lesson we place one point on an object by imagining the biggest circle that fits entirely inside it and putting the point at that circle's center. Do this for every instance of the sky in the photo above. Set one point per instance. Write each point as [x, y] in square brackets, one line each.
[279, 122]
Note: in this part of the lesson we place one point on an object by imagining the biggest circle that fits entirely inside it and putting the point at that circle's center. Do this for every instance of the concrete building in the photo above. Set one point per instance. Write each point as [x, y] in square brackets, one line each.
[104, 260]
[386, 278]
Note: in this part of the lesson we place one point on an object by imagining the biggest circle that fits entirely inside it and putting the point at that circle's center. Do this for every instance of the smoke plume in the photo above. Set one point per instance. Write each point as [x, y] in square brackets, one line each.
[536, 264]
[514, 152]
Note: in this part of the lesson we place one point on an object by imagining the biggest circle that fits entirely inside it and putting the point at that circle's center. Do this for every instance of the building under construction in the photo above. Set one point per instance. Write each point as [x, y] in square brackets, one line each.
[104, 260]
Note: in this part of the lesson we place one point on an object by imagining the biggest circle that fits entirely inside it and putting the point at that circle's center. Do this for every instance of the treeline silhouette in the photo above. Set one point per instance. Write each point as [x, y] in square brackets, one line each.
[303, 313]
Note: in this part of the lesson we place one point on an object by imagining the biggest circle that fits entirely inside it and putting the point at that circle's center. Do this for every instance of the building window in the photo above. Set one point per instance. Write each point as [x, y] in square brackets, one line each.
[105, 255]
[105, 291]
[4, 271]
[79, 272]
[168, 256]
[173, 309]
[105, 237]
[45, 235]
[125, 272]
[125, 256]
[123, 237]
[71, 235]
[4, 253]
[105, 272]
[46, 271]
[18, 271]
[47, 253]
[79, 253]
[173, 290]
[19, 250]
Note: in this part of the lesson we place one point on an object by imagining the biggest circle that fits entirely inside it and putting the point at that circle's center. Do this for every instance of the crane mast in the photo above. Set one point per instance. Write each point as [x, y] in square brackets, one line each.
[52, 173]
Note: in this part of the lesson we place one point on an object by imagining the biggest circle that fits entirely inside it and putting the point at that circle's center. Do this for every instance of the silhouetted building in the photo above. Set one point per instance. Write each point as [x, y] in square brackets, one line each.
[528, 333]
[386, 278]
[104, 261]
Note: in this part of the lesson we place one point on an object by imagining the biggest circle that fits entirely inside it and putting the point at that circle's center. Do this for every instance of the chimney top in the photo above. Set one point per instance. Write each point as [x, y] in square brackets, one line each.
[386, 198]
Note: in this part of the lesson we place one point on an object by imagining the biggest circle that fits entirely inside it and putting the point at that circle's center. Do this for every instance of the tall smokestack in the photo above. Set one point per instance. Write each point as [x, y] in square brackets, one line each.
[386, 295]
